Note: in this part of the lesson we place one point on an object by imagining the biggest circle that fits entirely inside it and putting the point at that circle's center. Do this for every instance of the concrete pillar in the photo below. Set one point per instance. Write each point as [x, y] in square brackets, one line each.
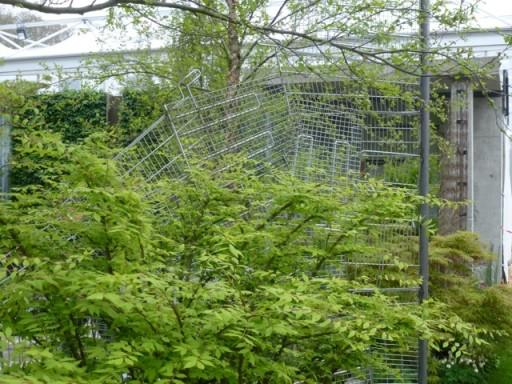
[488, 186]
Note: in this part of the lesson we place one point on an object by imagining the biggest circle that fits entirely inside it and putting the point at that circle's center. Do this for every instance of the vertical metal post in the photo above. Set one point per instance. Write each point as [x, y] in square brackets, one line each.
[5, 151]
[424, 171]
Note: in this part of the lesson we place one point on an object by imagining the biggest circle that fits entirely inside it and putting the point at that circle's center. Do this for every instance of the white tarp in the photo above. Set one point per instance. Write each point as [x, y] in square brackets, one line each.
[5, 51]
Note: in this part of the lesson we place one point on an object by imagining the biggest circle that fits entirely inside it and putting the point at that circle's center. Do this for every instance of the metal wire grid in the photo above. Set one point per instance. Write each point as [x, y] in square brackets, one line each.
[397, 365]
[385, 255]
[317, 129]
[348, 130]
[400, 363]
[328, 142]
[358, 376]
[207, 127]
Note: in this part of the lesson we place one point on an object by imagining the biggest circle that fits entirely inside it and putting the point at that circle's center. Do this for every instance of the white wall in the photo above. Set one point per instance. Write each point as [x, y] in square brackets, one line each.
[507, 174]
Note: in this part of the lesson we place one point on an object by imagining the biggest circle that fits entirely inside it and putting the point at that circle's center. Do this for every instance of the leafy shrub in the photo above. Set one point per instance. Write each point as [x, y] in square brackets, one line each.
[460, 373]
[452, 258]
[70, 115]
[73, 114]
[139, 108]
[218, 287]
[452, 282]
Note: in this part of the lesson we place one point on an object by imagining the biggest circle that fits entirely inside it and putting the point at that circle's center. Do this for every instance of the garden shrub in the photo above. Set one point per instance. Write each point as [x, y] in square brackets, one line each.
[108, 306]
[75, 114]
[452, 258]
[218, 287]
[70, 115]
[139, 108]
[489, 308]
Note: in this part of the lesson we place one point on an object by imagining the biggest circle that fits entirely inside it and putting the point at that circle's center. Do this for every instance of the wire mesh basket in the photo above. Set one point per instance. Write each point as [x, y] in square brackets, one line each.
[399, 363]
[321, 129]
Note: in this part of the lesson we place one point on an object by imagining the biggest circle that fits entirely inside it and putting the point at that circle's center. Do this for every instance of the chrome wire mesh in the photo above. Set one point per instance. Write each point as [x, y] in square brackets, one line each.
[384, 255]
[399, 363]
[358, 376]
[318, 129]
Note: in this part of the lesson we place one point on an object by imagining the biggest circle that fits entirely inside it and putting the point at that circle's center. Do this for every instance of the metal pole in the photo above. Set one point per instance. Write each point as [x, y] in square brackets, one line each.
[424, 171]
[5, 150]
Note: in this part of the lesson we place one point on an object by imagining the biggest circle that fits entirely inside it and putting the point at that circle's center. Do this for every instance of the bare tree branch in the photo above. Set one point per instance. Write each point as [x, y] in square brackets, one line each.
[94, 6]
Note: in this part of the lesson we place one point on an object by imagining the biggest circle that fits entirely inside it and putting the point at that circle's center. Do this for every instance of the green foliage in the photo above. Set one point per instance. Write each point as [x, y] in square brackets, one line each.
[224, 287]
[453, 283]
[462, 373]
[486, 309]
[74, 114]
[407, 172]
[139, 108]
[71, 116]
[452, 257]
[17, 104]
[502, 374]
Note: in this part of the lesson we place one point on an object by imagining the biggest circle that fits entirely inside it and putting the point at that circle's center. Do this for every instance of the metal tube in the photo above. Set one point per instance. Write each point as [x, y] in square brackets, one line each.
[424, 172]
[5, 151]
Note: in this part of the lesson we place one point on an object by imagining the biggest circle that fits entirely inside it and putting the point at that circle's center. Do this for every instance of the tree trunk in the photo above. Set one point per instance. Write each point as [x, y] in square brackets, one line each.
[233, 45]
[455, 167]
[234, 68]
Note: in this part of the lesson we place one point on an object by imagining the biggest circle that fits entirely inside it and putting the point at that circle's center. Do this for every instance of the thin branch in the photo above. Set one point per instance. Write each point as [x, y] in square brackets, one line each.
[55, 9]
[78, 340]
[279, 11]
[146, 320]
[178, 317]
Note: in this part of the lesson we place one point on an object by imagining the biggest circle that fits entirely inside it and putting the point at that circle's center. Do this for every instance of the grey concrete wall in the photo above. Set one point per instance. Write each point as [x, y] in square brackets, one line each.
[487, 141]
